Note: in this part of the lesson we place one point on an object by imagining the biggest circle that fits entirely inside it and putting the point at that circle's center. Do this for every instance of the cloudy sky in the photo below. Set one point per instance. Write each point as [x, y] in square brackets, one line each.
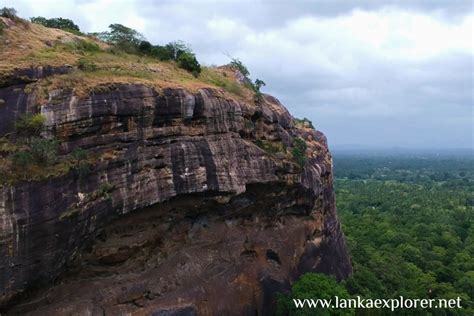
[368, 73]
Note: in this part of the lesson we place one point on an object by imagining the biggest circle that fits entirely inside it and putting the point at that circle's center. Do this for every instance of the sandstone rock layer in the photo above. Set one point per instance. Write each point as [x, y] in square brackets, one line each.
[181, 213]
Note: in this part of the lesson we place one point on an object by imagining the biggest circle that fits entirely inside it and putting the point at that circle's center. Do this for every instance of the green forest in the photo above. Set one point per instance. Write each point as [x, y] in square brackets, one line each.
[408, 221]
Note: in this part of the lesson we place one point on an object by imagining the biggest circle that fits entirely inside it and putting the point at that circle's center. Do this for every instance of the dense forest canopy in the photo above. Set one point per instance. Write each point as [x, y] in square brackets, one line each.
[409, 221]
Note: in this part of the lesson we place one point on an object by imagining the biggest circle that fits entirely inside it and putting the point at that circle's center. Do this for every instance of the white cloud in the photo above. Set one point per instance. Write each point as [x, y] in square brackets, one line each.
[101, 13]
[390, 68]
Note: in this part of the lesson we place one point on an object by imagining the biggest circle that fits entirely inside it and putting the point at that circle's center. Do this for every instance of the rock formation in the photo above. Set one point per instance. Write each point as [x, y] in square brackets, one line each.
[184, 210]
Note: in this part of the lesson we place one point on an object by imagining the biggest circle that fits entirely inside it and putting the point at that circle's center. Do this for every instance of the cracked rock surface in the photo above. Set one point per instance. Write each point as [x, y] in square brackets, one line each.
[181, 214]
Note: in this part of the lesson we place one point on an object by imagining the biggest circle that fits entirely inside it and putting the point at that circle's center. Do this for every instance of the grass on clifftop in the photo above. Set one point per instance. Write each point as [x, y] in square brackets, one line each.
[25, 45]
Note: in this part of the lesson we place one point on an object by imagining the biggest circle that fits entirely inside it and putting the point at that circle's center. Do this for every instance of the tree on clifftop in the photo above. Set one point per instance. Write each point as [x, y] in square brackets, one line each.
[57, 23]
[123, 37]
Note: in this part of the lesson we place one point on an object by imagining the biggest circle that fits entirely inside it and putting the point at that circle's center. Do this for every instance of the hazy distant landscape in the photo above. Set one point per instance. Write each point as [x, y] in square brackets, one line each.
[408, 218]
[231, 158]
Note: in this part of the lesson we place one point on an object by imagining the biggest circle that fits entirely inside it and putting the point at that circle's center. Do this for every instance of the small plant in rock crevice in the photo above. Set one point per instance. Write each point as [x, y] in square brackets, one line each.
[29, 125]
[299, 151]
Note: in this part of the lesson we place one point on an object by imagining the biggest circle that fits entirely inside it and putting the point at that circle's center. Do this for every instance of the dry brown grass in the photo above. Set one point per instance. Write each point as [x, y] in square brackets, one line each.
[83, 83]
[21, 42]
[30, 45]
[33, 171]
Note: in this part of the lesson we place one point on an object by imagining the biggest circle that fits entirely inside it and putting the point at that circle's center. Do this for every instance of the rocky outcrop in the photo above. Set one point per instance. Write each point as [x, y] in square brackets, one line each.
[14, 100]
[181, 213]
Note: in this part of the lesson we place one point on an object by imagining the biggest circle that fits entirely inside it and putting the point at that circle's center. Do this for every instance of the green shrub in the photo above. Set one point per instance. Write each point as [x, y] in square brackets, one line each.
[81, 166]
[219, 79]
[79, 154]
[80, 46]
[258, 84]
[306, 123]
[29, 125]
[177, 48]
[104, 190]
[238, 65]
[256, 87]
[299, 151]
[22, 159]
[188, 61]
[269, 147]
[177, 51]
[8, 13]
[87, 46]
[161, 52]
[130, 41]
[145, 47]
[85, 64]
[58, 23]
[44, 151]
[313, 286]
[122, 37]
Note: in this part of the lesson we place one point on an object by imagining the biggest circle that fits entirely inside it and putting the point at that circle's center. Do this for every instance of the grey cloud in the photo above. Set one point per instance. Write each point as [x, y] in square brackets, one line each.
[271, 13]
[357, 85]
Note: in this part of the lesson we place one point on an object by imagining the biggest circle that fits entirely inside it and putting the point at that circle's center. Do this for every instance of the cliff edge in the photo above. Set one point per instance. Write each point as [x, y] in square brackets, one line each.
[169, 195]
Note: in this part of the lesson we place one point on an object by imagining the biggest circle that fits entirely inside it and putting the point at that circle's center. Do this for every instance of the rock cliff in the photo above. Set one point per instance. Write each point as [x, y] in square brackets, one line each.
[192, 204]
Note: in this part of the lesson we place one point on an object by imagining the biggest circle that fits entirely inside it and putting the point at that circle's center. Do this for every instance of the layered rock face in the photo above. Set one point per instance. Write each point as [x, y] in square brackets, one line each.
[181, 213]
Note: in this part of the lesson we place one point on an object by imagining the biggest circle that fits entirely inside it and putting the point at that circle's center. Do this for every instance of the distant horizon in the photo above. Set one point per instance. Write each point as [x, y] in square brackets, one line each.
[395, 147]
[402, 152]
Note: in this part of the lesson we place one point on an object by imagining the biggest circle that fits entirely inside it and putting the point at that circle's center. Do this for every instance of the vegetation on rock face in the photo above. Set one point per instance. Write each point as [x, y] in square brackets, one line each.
[81, 164]
[296, 154]
[22, 159]
[104, 190]
[303, 123]
[271, 147]
[299, 151]
[409, 222]
[127, 57]
[29, 125]
[34, 159]
[26, 156]
[44, 151]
